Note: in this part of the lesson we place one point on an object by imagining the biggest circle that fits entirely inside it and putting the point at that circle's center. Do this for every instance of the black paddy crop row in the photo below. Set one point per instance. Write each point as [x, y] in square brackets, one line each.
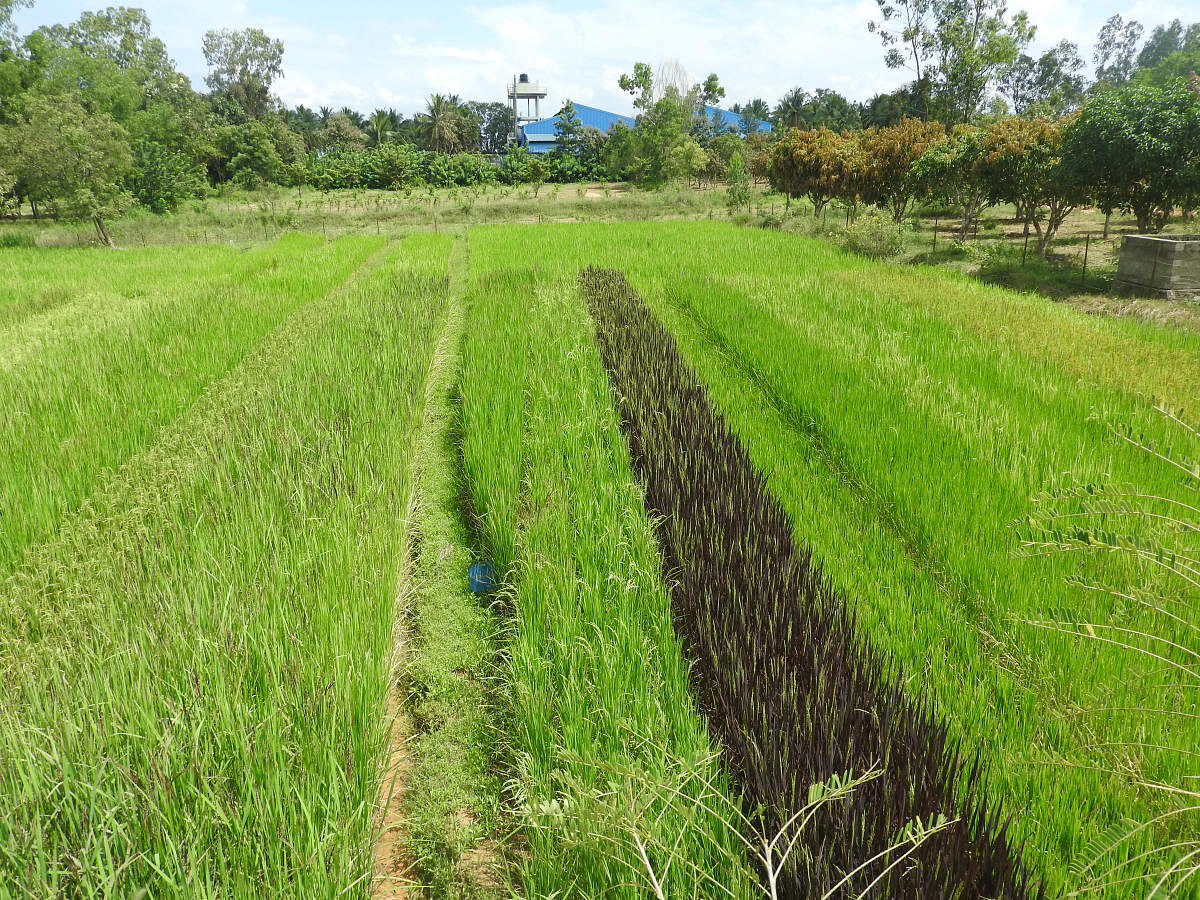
[792, 689]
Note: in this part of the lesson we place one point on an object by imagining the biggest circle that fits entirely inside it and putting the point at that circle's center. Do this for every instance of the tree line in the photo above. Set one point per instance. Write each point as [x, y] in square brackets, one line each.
[984, 123]
[94, 118]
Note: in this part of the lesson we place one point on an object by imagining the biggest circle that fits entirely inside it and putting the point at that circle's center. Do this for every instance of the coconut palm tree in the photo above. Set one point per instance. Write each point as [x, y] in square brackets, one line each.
[381, 126]
[441, 123]
[792, 111]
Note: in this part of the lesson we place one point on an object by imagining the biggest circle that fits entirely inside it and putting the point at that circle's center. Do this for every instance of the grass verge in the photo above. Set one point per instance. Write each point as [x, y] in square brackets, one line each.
[451, 803]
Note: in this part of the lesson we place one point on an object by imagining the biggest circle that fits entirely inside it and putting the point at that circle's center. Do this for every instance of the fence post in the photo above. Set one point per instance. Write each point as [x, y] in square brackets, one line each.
[1087, 243]
[1025, 249]
[935, 227]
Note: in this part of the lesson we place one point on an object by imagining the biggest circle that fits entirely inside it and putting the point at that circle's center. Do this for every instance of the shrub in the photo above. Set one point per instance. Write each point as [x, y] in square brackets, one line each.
[874, 235]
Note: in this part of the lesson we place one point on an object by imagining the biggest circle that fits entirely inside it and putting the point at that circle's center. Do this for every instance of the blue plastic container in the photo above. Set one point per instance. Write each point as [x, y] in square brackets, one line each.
[482, 577]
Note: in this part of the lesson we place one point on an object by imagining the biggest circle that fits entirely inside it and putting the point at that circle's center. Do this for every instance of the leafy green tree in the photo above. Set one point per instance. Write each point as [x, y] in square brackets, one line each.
[640, 85]
[568, 130]
[881, 173]
[822, 109]
[737, 194]
[8, 192]
[1137, 147]
[8, 31]
[517, 162]
[1116, 50]
[906, 30]
[247, 155]
[539, 171]
[685, 160]
[1023, 165]
[243, 65]
[1166, 40]
[1052, 84]
[122, 36]
[955, 171]
[441, 123]
[976, 42]
[959, 46]
[380, 126]
[1179, 66]
[70, 160]
[495, 125]
[710, 91]
[340, 133]
[753, 113]
[811, 164]
[162, 179]
[397, 166]
[657, 132]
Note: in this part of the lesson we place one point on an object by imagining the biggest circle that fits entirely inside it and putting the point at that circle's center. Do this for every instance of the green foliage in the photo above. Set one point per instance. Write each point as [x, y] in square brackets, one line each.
[495, 125]
[685, 160]
[1050, 85]
[956, 47]
[396, 166]
[822, 109]
[814, 164]
[737, 194]
[448, 125]
[247, 155]
[1116, 50]
[640, 85]
[71, 160]
[517, 161]
[955, 171]
[874, 235]
[163, 179]
[242, 65]
[1024, 166]
[568, 130]
[1137, 147]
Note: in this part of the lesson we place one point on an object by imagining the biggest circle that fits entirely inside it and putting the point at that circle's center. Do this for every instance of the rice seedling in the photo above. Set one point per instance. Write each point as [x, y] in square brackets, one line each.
[448, 817]
[196, 664]
[205, 468]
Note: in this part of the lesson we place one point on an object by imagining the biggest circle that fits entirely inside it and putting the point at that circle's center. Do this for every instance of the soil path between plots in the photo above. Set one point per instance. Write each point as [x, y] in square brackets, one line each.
[393, 863]
[437, 821]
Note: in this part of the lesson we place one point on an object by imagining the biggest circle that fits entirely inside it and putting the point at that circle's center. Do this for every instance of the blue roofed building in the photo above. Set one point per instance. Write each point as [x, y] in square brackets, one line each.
[540, 136]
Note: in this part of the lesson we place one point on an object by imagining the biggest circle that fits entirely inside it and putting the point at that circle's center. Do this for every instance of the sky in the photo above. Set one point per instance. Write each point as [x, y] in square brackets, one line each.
[395, 54]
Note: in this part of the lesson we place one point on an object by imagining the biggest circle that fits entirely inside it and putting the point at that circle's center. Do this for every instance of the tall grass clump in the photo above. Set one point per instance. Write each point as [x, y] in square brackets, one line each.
[610, 758]
[791, 689]
[196, 665]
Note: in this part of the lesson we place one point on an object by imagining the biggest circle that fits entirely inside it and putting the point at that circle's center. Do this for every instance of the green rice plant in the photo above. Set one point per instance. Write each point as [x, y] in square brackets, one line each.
[598, 686]
[1161, 534]
[126, 349]
[196, 664]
